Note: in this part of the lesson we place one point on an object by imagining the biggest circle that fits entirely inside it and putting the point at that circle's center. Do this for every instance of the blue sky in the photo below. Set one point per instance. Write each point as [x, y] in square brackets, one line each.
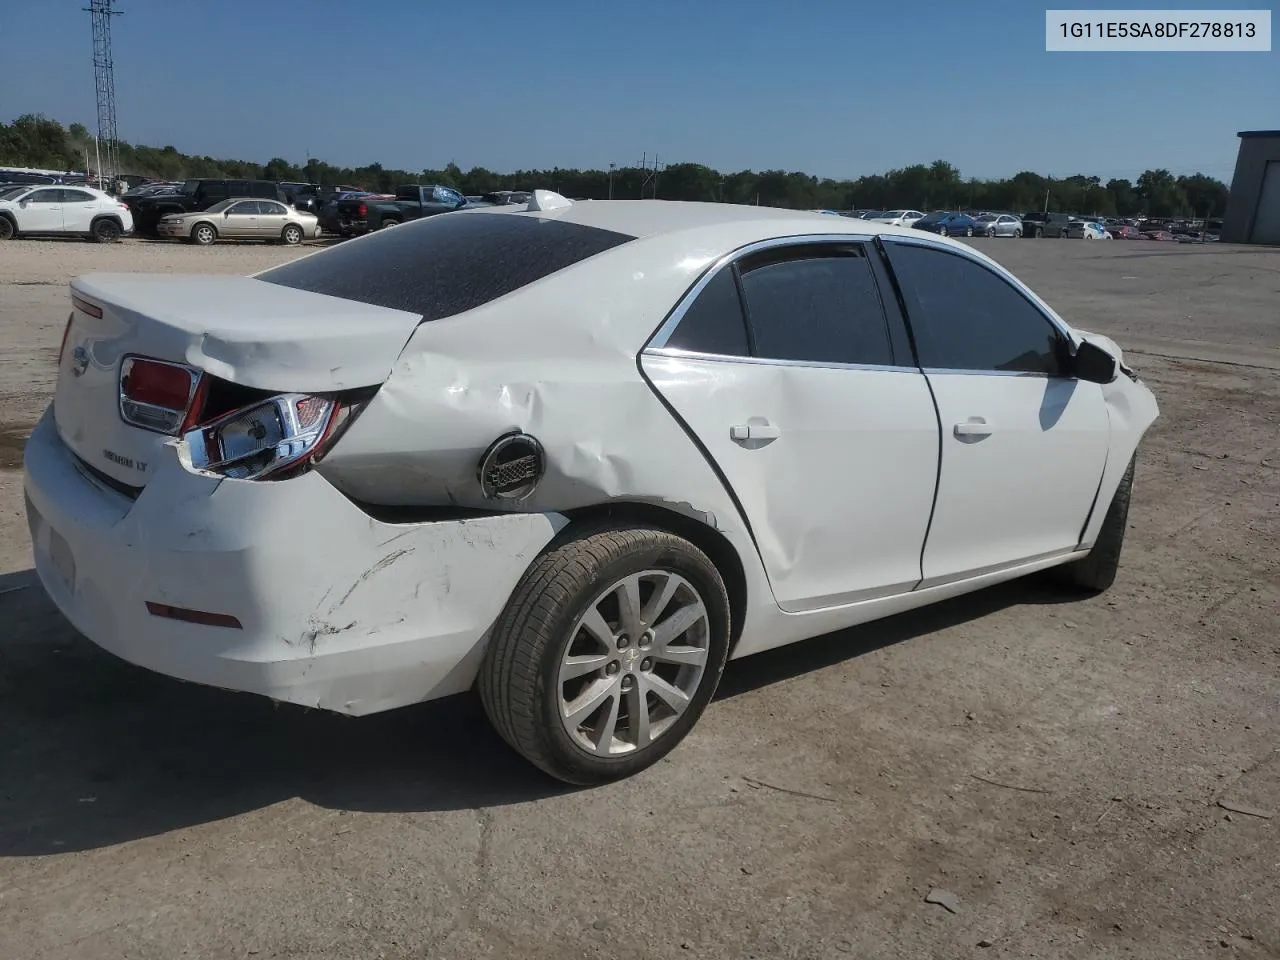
[836, 89]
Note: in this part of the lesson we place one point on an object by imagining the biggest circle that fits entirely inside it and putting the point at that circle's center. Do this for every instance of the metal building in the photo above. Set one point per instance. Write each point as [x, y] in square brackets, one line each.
[1253, 209]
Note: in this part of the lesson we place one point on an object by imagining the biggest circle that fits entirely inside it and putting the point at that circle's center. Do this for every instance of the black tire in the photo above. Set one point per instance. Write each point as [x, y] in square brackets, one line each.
[1096, 571]
[991, 232]
[1017, 234]
[1039, 232]
[105, 230]
[942, 231]
[388, 223]
[291, 235]
[968, 231]
[7, 229]
[1065, 235]
[203, 234]
[519, 677]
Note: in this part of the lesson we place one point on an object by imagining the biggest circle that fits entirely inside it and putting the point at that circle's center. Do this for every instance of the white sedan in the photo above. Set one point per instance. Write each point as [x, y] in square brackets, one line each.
[573, 456]
[898, 218]
[1087, 230]
[53, 211]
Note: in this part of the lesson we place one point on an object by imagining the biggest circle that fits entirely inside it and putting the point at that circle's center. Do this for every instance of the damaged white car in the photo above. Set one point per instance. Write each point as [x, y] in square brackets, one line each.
[574, 456]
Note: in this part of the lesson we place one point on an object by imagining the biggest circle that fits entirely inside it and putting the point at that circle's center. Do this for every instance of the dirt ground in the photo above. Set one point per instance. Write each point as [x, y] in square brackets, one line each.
[1056, 765]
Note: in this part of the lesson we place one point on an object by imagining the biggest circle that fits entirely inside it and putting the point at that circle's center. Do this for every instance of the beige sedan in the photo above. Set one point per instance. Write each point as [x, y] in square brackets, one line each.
[245, 219]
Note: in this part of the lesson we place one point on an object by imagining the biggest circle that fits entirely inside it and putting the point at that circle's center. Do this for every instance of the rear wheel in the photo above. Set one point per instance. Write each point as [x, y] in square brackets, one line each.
[968, 231]
[105, 231]
[204, 234]
[1039, 232]
[1017, 234]
[6, 229]
[942, 231]
[607, 653]
[388, 223]
[292, 235]
[991, 232]
[1096, 571]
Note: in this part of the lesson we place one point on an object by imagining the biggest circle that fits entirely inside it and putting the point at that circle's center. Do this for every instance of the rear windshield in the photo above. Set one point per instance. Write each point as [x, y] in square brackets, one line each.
[446, 264]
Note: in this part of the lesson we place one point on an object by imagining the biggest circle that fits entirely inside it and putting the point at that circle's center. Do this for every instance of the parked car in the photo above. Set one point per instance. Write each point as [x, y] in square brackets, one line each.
[239, 219]
[33, 211]
[1159, 235]
[363, 215]
[526, 542]
[867, 214]
[328, 212]
[1046, 224]
[1087, 230]
[947, 224]
[1126, 232]
[194, 196]
[998, 225]
[897, 218]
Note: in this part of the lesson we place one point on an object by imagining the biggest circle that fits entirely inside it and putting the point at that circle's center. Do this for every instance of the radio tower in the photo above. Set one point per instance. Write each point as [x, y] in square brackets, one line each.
[105, 82]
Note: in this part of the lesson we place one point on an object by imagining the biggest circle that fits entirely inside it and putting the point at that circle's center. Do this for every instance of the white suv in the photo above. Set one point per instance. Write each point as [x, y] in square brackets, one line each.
[44, 210]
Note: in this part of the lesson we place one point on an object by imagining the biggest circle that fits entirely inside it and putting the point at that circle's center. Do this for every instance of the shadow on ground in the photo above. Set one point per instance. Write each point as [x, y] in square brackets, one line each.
[96, 752]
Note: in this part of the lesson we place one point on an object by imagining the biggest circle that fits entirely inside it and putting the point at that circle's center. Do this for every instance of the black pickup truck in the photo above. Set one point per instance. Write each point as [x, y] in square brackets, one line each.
[359, 215]
[195, 195]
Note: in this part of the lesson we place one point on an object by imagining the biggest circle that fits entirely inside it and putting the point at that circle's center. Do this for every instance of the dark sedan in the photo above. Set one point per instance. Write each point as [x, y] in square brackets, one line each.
[947, 224]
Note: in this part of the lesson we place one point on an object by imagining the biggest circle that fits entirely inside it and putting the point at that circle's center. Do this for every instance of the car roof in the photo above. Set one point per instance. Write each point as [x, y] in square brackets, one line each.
[644, 219]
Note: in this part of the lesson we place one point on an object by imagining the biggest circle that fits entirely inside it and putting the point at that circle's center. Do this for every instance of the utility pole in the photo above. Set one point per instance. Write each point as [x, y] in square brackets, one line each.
[101, 13]
[611, 166]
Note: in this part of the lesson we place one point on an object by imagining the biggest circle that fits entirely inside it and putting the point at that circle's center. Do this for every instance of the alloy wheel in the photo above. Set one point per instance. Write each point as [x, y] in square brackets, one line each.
[633, 663]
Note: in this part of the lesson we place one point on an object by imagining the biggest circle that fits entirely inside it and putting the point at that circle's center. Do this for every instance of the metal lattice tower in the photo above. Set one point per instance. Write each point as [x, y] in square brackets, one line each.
[105, 82]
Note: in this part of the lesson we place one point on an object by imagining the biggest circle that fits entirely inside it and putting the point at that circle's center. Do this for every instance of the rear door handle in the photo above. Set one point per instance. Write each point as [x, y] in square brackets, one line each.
[754, 431]
[973, 427]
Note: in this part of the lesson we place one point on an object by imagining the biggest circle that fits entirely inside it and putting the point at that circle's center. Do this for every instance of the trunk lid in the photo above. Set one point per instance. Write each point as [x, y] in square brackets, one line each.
[248, 332]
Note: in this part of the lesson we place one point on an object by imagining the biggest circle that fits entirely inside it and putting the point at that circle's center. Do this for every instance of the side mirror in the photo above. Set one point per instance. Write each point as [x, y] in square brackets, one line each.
[1092, 364]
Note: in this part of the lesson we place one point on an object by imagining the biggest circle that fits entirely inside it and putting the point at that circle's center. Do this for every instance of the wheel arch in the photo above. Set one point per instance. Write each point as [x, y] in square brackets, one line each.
[99, 217]
[702, 535]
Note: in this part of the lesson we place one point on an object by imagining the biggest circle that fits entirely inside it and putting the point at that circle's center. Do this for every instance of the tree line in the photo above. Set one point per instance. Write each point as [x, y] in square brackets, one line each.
[35, 141]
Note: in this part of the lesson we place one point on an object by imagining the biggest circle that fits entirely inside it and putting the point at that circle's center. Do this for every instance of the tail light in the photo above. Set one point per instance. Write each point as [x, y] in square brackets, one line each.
[155, 394]
[234, 431]
[362, 210]
[270, 438]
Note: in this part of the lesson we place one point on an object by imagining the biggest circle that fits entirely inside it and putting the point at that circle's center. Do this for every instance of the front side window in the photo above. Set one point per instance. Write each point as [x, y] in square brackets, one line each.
[819, 305]
[244, 208]
[967, 317]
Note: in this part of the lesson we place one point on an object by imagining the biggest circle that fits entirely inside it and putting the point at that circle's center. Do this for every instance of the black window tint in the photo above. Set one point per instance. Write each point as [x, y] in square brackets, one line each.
[447, 264]
[966, 317]
[821, 307]
[714, 322]
[76, 196]
[45, 196]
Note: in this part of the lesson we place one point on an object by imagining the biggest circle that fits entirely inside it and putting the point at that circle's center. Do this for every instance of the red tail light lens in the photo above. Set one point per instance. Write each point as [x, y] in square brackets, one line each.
[155, 394]
[362, 210]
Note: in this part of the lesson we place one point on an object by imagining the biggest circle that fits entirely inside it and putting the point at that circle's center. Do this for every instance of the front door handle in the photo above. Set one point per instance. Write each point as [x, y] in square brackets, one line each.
[974, 427]
[754, 431]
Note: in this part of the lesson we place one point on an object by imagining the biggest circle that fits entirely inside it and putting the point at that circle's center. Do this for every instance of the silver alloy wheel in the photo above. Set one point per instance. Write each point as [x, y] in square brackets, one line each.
[204, 234]
[633, 663]
[292, 235]
[991, 232]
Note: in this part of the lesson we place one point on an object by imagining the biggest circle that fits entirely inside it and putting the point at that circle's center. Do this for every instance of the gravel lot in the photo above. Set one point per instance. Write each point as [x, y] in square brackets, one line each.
[1057, 765]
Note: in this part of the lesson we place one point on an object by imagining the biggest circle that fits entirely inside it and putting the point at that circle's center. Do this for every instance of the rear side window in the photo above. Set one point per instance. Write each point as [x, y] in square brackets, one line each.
[819, 305]
[447, 264]
[714, 322]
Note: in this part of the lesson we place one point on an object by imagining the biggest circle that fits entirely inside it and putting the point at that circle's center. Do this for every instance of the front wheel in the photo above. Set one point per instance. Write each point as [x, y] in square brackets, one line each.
[608, 651]
[1039, 232]
[1096, 571]
[1017, 234]
[942, 231]
[991, 232]
[204, 234]
[968, 231]
[292, 235]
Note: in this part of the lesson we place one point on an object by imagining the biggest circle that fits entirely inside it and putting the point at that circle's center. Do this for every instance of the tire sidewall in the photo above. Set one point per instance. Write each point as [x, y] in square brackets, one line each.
[199, 231]
[669, 553]
[112, 231]
[292, 235]
[7, 230]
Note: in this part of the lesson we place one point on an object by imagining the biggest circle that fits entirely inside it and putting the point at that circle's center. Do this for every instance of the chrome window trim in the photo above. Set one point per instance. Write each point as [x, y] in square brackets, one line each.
[659, 339]
[948, 371]
[676, 353]
[961, 251]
